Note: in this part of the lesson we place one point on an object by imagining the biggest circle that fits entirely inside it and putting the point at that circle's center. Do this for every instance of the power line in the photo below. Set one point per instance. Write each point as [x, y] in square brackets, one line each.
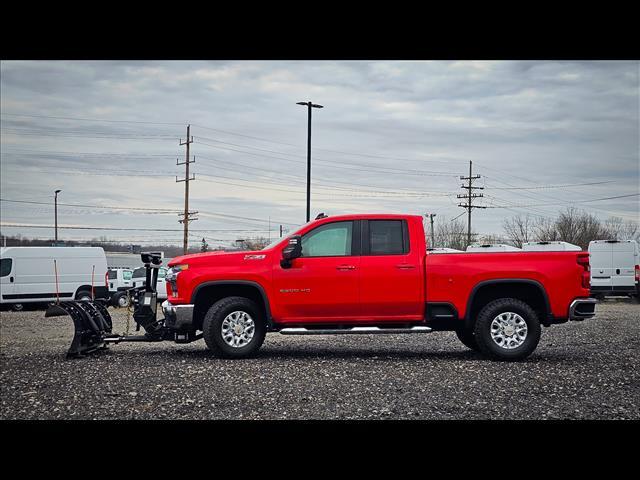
[89, 119]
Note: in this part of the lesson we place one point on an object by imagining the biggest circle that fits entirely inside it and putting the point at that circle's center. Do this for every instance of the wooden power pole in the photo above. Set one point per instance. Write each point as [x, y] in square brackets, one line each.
[188, 216]
[469, 196]
[431, 215]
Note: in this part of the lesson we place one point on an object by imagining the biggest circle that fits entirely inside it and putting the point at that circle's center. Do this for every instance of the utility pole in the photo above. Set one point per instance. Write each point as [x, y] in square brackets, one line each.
[431, 215]
[310, 105]
[469, 196]
[280, 231]
[188, 216]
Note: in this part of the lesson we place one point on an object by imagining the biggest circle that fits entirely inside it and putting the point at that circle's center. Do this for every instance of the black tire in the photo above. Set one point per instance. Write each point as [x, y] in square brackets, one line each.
[467, 337]
[212, 327]
[83, 294]
[120, 300]
[482, 330]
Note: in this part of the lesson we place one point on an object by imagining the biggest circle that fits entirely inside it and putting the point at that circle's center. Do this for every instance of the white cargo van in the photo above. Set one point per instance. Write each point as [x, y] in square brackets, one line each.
[550, 247]
[615, 267]
[27, 274]
[491, 247]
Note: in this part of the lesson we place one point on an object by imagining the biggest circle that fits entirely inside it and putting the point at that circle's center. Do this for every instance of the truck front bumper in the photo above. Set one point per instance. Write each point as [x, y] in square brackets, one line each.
[582, 308]
[178, 317]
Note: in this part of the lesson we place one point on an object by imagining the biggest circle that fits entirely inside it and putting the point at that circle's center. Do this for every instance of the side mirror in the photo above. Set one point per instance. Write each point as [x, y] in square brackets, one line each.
[291, 251]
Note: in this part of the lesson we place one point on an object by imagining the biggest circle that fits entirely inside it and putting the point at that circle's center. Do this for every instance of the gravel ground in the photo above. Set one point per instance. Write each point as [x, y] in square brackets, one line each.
[581, 370]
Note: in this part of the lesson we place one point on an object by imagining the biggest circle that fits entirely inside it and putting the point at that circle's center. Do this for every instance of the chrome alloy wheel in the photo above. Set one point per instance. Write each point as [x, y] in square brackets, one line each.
[508, 330]
[238, 329]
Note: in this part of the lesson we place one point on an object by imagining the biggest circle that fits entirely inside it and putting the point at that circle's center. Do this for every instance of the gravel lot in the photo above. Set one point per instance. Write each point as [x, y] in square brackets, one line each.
[585, 370]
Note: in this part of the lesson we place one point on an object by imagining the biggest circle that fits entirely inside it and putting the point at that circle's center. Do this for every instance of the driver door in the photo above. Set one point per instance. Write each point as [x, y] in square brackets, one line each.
[322, 284]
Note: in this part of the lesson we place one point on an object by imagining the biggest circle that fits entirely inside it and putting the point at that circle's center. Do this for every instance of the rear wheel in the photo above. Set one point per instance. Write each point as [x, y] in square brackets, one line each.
[83, 295]
[234, 327]
[120, 300]
[467, 337]
[507, 329]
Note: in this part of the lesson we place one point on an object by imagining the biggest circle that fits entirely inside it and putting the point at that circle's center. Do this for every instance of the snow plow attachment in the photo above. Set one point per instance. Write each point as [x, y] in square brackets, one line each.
[93, 324]
[91, 321]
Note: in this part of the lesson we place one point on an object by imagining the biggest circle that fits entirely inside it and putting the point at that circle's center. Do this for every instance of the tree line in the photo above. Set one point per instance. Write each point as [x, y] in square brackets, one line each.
[571, 225]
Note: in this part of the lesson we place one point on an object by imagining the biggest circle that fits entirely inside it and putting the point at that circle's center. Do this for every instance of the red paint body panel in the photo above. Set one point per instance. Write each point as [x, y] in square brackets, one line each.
[382, 288]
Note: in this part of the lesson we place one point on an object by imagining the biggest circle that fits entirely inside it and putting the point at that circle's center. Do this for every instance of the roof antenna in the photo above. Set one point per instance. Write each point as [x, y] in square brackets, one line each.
[321, 215]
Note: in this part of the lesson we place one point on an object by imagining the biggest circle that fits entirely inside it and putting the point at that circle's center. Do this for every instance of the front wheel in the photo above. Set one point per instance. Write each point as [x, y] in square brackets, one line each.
[234, 327]
[507, 329]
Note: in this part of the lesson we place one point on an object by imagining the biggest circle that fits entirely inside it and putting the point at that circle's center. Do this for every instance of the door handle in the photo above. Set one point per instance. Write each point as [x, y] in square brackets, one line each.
[11, 279]
[405, 266]
[345, 267]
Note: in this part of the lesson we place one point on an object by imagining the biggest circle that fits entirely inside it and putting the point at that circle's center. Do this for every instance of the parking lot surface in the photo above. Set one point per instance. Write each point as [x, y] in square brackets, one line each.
[581, 370]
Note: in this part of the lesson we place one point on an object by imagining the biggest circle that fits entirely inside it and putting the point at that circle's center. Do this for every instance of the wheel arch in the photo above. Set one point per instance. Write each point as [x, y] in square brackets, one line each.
[208, 293]
[530, 291]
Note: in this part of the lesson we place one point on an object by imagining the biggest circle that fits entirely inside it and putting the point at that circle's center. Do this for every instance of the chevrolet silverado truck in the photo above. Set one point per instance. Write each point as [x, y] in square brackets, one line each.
[372, 274]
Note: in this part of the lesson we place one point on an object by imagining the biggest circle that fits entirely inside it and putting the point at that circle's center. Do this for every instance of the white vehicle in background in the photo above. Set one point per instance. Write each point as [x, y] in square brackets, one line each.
[550, 247]
[615, 268]
[120, 280]
[443, 250]
[139, 279]
[28, 274]
[491, 247]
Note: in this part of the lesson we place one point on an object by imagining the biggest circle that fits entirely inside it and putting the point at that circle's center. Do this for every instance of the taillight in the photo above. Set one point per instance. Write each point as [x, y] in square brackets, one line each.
[106, 279]
[637, 273]
[583, 259]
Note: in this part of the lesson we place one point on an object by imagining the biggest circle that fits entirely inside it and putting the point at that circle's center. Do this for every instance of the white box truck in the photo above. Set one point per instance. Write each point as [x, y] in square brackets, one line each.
[28, 274]
[550, 247]
[615, 268]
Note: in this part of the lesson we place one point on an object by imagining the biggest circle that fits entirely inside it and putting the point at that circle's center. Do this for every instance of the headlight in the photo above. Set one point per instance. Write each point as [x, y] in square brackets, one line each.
[173, 272]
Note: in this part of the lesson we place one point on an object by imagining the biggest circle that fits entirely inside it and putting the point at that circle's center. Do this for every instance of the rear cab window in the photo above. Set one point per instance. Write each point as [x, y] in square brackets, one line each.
[386, 237]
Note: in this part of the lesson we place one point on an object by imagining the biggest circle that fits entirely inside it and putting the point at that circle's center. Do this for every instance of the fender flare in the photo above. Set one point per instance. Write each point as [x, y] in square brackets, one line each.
[249, 283]
[526, 281]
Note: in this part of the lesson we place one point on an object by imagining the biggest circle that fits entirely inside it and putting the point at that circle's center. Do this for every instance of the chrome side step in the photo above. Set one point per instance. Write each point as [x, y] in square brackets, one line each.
[352, 330]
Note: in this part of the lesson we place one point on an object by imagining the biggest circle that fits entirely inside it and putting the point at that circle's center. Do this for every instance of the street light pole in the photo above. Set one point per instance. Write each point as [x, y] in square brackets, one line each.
[309, 106]
[56, 213]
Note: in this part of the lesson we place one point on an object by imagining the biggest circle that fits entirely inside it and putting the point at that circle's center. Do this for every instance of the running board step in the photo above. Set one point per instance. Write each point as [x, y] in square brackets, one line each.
[353, 330]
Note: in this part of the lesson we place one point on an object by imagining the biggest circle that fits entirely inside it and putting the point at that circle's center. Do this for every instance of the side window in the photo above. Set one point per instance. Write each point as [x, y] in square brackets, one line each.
[113, 274]
[329, 240]
[162, 272]
[127, 274]
[5, 266]
[386, 237]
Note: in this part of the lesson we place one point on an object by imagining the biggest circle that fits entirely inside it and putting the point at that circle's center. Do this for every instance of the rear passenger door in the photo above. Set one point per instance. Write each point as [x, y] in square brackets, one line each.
[390, 273]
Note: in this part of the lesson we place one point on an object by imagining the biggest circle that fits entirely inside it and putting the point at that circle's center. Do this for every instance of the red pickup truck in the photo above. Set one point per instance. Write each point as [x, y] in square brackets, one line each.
[373, 274]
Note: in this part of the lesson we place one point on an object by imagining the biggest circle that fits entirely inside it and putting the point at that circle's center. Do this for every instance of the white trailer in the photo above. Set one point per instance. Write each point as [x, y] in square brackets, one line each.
[615, 267]
[491, 247]
[550, 247]
[28, 274]
[443, 250]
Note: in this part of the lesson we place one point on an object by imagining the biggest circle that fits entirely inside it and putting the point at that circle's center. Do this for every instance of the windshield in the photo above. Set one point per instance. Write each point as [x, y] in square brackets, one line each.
[278, 240]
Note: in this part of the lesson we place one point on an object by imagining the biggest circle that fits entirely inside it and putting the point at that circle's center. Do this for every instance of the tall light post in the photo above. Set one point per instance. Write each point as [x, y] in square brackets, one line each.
[310, 106]
[56, 213]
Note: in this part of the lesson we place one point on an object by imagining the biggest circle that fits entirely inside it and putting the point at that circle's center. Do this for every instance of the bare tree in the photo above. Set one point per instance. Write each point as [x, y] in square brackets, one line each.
[615, 228]
[450, 234]
[257, 243]
[519, 229]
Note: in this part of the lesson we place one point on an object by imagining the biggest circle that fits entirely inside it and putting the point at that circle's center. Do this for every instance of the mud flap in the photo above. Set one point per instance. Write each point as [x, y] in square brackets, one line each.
[91, 321]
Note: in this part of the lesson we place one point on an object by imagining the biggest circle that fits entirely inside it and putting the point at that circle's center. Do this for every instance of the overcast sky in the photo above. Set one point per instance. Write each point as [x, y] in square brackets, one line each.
[392, 137]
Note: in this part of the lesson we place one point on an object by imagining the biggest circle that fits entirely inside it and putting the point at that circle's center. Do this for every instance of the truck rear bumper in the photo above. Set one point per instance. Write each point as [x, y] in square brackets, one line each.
[582, 308]
[178, 317]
